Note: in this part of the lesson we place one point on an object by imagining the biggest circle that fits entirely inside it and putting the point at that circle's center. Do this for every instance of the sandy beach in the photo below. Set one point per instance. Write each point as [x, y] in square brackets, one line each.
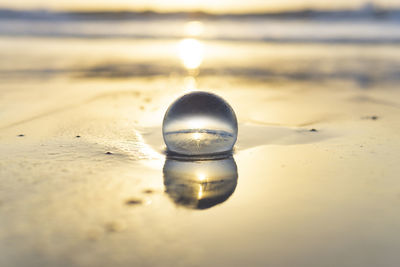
[84, 179]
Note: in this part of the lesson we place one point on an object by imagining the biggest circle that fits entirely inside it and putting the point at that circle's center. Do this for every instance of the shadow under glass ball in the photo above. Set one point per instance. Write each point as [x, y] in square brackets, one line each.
[200, 123]
[200, 184]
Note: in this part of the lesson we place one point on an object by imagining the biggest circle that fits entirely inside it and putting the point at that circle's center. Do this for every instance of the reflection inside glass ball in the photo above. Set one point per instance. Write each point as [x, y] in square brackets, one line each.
[200, 123]
[200, 184]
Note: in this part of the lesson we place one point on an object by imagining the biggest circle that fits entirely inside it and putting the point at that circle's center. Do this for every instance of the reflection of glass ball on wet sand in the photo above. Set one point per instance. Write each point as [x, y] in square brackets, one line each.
[200, 184]
[200, 123]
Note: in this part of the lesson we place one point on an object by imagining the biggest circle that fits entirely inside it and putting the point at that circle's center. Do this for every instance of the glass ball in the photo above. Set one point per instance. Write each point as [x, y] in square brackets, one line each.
[200, 123]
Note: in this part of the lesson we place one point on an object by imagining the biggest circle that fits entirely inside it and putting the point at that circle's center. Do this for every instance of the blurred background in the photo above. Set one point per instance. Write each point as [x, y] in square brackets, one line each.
[273, 41]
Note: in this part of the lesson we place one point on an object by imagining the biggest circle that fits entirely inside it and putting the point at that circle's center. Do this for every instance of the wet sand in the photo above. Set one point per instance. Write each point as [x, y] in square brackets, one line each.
[84, 180]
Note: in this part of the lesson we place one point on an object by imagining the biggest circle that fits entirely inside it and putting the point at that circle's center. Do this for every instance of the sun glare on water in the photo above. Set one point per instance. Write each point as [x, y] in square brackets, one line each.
[201, 177]
[191, 53]
[196, 136]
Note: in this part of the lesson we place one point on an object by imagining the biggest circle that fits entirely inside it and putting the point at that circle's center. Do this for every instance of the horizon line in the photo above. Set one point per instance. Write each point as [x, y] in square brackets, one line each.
[374, 8]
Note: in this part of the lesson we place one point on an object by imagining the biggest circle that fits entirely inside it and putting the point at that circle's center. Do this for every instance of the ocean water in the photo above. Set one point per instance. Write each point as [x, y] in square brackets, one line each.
[361, 46]
[325, 27]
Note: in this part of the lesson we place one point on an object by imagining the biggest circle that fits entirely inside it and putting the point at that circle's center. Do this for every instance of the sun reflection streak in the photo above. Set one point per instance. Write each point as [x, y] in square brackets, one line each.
[190, 84]
[191, 53]
[200, 193]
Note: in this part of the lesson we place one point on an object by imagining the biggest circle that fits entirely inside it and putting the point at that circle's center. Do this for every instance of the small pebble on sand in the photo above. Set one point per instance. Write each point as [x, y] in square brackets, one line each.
[133, 201]
[374, 118]
[116, 226]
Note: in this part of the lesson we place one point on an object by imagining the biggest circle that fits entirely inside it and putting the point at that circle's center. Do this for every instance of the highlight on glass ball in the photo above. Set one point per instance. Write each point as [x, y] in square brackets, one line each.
[200, 124]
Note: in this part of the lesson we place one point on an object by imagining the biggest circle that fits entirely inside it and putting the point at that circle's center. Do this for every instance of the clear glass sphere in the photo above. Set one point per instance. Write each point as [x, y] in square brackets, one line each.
[200, 123]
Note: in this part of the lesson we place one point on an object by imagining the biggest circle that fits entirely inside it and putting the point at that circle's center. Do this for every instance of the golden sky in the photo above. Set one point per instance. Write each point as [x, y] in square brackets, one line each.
[184, 5]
